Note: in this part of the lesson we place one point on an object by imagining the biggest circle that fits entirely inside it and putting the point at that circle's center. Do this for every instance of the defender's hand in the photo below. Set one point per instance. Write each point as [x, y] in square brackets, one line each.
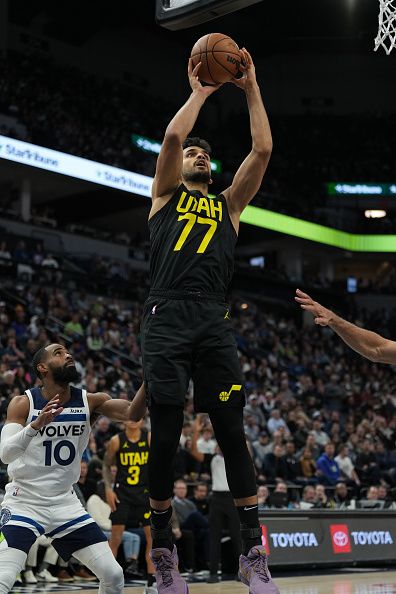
[323, 316]
[248, 70]
[112, 499]
[195, 83]
[48, 414]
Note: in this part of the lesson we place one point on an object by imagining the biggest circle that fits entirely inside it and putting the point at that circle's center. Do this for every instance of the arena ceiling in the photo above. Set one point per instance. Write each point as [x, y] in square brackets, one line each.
[268, 27]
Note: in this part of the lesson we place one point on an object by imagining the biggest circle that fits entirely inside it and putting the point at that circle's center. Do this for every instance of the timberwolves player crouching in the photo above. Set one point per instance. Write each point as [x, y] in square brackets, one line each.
[45, 435]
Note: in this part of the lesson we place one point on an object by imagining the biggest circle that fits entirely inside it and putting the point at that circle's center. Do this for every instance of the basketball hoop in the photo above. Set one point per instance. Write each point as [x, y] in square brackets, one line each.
[386, 26]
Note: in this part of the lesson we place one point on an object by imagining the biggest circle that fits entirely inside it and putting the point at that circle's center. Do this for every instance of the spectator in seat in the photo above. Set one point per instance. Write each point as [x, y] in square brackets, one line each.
[253, 409]
[261, 447]
[276, 422]
[308, 466]
[346, 465]
[279, 498]
[262, 496]
[200, 498]
[321, 438]
[87, 485]
[312, 446]
[366, 464]
[74, 326]
[292, 464]
[342, 497]
[308, 497]
[51, 268]
[187, 513]
[328, 470]
[372, 493]
[322, 500]
[275, 466]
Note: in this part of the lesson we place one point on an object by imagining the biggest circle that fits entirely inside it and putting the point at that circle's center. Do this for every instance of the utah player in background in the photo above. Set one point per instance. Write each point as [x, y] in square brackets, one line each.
[45, 435]
[186, 327]
[129, 500]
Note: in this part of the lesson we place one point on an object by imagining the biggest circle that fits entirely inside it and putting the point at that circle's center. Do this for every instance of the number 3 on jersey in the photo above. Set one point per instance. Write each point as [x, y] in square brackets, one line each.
[192, 219]
[134, 472]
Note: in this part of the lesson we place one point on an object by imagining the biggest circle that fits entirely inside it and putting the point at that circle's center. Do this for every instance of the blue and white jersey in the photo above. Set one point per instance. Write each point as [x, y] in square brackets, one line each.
[51, 462]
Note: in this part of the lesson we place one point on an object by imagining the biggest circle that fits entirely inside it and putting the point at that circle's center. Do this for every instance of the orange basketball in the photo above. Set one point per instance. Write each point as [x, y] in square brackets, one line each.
[220, 58]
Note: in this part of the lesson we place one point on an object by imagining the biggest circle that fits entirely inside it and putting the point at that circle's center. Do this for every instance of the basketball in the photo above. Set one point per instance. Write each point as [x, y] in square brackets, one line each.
[220, 58]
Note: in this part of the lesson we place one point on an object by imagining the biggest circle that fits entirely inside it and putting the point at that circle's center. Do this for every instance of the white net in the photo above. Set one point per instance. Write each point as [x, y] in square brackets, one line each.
[386, 26]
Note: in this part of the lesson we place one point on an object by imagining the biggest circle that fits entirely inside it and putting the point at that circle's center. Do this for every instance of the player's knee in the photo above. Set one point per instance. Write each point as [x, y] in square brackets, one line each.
[11, 563]
[113, 578]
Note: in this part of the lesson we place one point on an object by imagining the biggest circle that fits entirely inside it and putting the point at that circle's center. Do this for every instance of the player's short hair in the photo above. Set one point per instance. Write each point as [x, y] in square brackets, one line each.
[196, 141]
[38, 357]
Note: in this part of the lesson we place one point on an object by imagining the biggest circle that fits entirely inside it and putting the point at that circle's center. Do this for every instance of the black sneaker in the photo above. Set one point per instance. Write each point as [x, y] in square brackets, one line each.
[132, 569]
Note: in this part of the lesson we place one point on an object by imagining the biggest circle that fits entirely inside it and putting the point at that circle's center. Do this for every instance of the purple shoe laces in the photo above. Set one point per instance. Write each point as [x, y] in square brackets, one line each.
[165, 566]
[259, 566]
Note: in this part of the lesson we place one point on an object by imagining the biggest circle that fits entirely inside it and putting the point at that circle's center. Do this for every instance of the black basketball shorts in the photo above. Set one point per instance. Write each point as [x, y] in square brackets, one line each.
[131, 514]
[193, 338]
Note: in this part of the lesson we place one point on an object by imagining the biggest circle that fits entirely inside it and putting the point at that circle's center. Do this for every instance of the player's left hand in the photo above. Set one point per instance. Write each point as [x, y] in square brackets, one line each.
[196, 84]
[248, 70]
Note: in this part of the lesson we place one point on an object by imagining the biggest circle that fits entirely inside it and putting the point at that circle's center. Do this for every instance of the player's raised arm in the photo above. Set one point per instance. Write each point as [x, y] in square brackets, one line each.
[169, 164]
[119, 410]
[15, 437]
[366, 343]
[249, 176]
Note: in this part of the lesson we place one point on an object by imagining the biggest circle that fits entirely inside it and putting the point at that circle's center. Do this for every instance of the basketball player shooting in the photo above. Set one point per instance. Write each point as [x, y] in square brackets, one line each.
[186, 327]
[45, 435]
[369, 344]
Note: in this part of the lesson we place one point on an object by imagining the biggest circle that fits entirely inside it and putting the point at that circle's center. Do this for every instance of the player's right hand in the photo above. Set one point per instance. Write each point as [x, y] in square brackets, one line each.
[48, 414]
[323, 316]
[195, 83]
[112, 499]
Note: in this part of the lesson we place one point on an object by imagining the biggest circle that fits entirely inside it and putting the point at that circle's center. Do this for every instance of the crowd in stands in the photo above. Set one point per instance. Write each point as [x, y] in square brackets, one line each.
[56, 106]
[315, 412]
[27, 260]
[320, 421]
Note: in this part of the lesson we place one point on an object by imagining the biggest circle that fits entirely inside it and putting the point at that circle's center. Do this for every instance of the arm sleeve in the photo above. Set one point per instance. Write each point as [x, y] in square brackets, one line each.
[14, 440]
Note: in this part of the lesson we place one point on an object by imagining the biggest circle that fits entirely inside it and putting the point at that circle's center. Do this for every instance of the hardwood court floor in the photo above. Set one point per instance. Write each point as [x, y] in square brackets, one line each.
[375, 582]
